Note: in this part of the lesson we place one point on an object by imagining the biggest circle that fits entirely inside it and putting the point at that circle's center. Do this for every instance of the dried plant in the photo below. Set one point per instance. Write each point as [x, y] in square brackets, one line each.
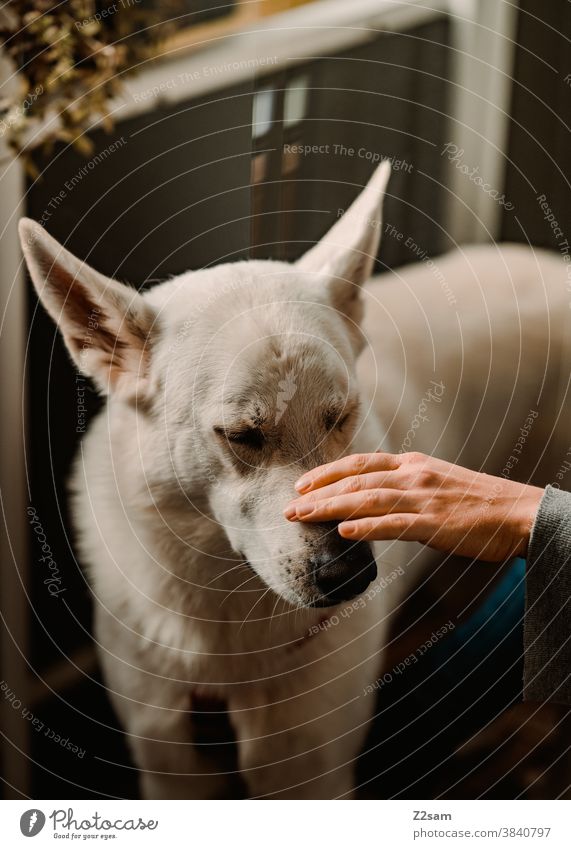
[70, 57]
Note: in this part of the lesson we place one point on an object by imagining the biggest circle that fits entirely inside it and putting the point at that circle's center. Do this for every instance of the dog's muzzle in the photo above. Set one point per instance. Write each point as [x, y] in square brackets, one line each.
[342, 570]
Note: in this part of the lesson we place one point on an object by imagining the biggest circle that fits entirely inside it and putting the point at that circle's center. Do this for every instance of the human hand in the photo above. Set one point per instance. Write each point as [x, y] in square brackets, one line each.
[413, 496]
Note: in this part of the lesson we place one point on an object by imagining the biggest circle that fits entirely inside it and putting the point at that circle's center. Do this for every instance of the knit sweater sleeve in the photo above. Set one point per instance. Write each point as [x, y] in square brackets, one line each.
[547, 624]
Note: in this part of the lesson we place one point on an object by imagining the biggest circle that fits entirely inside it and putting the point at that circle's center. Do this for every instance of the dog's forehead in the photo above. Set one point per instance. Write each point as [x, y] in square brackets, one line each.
[253, 330]
[240, 302]
[286, 363]
[211, 297]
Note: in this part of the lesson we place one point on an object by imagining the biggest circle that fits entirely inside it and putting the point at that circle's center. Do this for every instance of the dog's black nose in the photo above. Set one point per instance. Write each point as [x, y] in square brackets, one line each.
[340, 575]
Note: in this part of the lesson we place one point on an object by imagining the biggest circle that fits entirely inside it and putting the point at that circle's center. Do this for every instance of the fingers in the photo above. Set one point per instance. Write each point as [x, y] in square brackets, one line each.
[354, 464]
[374, 502]
[403, 526]
[354, 483]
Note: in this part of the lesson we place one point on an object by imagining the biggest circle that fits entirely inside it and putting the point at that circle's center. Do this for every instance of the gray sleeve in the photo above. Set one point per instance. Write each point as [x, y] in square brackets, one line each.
[547, 624]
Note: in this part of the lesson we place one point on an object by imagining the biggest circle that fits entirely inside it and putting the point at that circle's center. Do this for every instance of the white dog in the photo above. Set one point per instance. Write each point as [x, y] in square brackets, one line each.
[224, 386]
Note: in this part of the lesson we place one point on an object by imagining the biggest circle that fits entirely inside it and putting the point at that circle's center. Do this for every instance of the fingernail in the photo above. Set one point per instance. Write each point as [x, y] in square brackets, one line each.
[304, 511]
[302, 484]
[348, 530]
[290, 512]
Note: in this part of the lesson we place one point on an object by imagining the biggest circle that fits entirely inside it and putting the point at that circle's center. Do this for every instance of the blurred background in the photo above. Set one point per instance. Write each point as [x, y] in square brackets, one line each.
[151, 138]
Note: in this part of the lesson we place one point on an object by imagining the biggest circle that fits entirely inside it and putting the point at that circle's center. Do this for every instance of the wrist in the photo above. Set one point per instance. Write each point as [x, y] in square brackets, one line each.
[523, 516]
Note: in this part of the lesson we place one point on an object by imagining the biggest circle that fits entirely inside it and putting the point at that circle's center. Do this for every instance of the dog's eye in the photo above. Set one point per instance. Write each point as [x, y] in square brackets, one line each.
[251, 437]
[335, 422]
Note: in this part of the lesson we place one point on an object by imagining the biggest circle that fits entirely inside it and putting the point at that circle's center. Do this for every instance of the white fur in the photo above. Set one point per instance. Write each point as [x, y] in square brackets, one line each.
[168, 520]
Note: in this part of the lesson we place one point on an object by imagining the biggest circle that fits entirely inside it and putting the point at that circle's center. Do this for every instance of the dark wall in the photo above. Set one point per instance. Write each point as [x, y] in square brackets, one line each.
[539, 153]
[387, 98]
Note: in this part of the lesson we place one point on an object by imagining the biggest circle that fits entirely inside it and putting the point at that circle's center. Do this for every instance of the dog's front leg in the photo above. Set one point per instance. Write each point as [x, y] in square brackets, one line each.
[156, 711]
[173, 764]
[295, 748]
[173, 758]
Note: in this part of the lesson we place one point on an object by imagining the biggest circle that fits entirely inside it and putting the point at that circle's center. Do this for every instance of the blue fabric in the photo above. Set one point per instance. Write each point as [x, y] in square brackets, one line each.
[461, 683]
[497, 623]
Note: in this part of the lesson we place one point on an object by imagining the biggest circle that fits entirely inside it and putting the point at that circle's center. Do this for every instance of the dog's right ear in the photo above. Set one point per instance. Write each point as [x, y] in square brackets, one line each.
[106, 325]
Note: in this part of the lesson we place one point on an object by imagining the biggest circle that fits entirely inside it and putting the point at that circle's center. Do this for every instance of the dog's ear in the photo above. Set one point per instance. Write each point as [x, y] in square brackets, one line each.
[346, 254]
[106, 325]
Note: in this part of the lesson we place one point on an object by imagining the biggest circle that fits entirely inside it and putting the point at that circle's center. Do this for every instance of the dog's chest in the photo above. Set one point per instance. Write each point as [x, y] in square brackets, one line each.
[195, 634]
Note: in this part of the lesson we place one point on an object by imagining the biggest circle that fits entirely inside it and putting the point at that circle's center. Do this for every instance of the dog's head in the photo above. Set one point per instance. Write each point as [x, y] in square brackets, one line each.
[241, 377]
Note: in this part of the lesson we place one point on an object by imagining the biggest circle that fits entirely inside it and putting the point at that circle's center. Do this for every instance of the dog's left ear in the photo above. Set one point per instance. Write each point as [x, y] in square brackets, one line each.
[346, 254]
[106, 325]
